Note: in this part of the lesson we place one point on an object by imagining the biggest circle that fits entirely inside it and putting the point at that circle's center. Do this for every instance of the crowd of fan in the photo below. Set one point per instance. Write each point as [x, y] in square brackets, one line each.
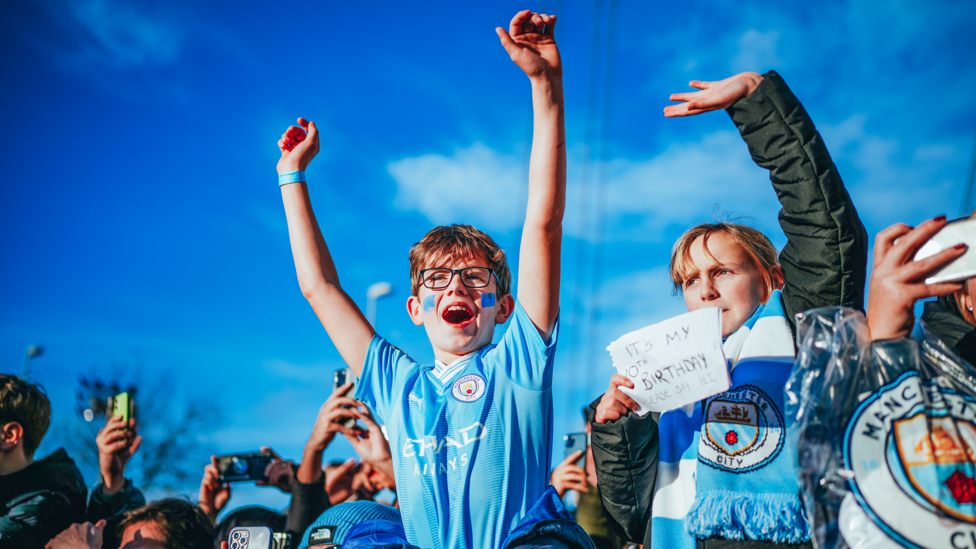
[473, 431]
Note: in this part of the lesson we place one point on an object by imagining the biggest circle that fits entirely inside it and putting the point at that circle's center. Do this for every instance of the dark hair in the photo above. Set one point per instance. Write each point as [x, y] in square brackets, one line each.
[183, 524]
[25, 403]
[248, 516]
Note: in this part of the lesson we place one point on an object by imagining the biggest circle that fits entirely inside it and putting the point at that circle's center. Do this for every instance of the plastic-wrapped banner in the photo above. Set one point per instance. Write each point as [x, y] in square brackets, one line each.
[885, 436]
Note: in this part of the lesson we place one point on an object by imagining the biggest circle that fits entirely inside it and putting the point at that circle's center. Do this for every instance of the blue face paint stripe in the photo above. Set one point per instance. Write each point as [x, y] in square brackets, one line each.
[487, 299]
[429, 303]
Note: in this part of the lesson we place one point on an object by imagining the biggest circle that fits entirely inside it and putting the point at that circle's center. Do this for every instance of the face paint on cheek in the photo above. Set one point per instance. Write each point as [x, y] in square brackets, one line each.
[487, 299]
[429, 303]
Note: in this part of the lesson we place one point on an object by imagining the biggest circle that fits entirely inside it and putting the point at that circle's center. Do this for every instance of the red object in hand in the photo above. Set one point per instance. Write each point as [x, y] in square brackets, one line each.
[294, 140]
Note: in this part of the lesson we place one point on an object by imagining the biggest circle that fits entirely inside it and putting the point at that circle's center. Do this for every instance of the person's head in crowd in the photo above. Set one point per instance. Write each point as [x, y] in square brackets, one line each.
[332, 526]
[25, 415]
[454, 307]
[963, 301]
[726, 265]
[169, 523]
[248, 516]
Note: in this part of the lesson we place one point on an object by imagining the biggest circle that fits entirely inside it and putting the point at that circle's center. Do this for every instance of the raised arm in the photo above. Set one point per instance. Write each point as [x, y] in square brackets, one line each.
[317, 276]
[532, 46]
[825, 258]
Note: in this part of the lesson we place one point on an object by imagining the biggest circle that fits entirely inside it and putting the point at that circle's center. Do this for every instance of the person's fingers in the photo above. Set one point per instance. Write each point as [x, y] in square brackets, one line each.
[274, 455]
[617, 380]
[506, 39]
[115, 446]
[339, 401]
[686, 96]
[940, 289]
[886, 239]
[313, 131]
[907, 245]
[551, 26]
[918, 270]
[701, 84]
[517, 22]
[571, 458]
[303, 123]
[223, 545]
[341, 390]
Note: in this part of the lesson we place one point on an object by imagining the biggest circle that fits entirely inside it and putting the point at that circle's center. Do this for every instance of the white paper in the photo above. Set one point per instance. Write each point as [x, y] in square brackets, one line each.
[675, 362]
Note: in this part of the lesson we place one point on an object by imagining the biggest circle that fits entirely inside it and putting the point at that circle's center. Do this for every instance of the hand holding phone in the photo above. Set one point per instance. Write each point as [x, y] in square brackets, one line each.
[250, 537]
[960, 231]
[343, 376]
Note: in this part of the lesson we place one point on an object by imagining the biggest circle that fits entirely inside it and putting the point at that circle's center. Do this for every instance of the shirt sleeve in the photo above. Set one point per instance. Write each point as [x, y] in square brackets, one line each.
[384, 371]
[522, 354]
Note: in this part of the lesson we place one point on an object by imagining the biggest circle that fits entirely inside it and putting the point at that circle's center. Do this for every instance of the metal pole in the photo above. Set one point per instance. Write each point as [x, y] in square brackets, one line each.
[373, 293]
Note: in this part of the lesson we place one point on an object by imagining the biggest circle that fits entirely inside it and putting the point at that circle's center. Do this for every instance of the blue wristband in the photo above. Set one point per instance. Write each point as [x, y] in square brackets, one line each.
[290, 177]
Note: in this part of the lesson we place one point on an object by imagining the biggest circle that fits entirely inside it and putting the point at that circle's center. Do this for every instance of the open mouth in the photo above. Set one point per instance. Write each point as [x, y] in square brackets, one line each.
[457, 314]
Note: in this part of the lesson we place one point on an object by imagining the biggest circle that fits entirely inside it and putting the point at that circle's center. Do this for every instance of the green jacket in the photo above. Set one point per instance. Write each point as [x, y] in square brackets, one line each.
[824, 263]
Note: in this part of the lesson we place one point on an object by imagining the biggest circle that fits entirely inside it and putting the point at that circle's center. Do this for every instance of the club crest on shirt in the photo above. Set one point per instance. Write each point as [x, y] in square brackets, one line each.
[743, 430]
[469, 388]
[912, 448]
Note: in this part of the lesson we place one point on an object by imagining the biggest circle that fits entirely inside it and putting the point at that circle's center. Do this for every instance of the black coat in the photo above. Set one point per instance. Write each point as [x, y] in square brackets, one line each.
[824, 263]
[40, 501]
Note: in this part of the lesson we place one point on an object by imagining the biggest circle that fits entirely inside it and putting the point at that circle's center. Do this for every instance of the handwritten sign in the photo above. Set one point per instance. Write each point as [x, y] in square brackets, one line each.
[675, 362]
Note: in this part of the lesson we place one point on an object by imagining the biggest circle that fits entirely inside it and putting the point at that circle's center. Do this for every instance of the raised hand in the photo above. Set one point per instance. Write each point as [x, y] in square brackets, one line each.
[714, 95]
[531, 44]
[298, 147]
[568, 475]
[339, 481]
[79, 536]
[332, 415]
[280, 472]
[897, 281]
[116, 442]
[371, 445]
[213, 495]
[615, 403]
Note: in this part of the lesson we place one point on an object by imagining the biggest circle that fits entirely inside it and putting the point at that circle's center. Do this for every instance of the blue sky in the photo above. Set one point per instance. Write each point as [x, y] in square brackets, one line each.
[142, 225]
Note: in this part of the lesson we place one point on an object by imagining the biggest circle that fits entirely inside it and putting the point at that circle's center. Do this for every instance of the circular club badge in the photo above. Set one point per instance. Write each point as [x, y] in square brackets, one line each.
[469, 388]
[912, 447]
[743, 430]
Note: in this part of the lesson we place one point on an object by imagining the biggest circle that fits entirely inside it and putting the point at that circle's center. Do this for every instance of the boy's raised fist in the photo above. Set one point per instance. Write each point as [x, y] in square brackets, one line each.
[531, 44]
[298, 147]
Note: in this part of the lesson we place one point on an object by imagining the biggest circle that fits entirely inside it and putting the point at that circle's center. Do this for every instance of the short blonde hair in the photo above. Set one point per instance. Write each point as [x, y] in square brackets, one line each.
[756, 245]
[449, 243]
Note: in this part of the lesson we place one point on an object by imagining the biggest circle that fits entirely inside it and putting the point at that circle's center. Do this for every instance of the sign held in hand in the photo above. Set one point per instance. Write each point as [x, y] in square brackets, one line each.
[675, 362]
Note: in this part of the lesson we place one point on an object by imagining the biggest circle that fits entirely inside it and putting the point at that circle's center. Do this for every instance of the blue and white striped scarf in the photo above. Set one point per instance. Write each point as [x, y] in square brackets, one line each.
[724, 468]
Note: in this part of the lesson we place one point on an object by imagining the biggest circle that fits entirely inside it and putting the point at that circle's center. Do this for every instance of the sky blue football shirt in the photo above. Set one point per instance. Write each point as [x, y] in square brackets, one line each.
[471, 441]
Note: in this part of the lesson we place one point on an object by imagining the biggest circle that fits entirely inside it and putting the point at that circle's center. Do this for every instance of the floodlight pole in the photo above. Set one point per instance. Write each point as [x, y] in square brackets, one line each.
[32, 351]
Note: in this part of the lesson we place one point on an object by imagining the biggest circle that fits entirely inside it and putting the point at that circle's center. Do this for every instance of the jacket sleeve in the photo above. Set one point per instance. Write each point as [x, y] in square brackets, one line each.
[308, 501]
[111, 508]
[625, 453]
[825, 257]
[34, 518]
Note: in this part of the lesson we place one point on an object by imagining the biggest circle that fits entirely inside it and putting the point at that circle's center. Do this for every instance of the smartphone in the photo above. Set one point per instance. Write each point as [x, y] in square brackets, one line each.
[961, 268]
[241, 467]
[575, 442]
[343, 376]
[250, 537]
[121, 405]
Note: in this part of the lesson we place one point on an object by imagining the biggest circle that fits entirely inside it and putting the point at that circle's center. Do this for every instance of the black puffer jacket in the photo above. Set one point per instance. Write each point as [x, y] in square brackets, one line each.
[945, 319]
[823, 263]
[40, 501]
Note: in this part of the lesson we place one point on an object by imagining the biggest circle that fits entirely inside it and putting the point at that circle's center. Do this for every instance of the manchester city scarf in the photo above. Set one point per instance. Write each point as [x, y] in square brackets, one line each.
[725, 469]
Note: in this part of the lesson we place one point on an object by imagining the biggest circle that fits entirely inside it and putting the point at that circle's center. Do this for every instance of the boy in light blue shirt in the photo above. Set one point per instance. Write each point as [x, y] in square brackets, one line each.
[471, 434]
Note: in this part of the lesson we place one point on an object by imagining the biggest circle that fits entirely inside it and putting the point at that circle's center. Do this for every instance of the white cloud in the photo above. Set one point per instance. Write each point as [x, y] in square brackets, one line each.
[682, 184]
[757, 52]
[476, 185]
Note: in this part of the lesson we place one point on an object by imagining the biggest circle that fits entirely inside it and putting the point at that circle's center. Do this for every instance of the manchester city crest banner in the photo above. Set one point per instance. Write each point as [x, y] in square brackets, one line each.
[885, 436]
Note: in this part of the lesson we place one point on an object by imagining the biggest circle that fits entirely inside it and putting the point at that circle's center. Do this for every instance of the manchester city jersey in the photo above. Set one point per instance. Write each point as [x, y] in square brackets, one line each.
[471, 440]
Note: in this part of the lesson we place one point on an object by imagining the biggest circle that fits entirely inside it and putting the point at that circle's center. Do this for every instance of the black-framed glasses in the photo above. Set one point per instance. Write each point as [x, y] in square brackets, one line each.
[472, 277]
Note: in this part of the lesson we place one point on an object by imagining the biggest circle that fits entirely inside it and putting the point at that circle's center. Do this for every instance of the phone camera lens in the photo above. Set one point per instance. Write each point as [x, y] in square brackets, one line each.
[237, 535]
[235, 545]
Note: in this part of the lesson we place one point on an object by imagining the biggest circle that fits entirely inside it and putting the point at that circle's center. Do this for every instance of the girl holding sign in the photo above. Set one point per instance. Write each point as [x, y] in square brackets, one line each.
[719, 472]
